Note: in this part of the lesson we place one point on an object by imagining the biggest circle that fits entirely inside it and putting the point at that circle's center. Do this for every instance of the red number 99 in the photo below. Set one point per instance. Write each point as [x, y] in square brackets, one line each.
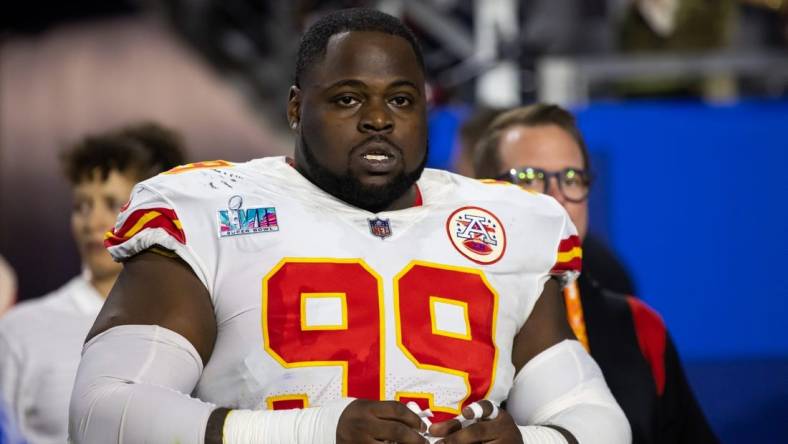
[355, 344]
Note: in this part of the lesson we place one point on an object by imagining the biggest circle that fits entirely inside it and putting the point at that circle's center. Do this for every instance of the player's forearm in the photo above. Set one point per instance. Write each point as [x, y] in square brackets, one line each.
[131, 387]
[213, 430]
[313, 425]
[564, 387]
[122, 411]
[546, 434]
[585, 423]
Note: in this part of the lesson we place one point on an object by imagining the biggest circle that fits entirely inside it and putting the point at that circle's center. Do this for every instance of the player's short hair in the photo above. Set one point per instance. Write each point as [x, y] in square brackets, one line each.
[143, 150]
[486, 158]
[314, 41]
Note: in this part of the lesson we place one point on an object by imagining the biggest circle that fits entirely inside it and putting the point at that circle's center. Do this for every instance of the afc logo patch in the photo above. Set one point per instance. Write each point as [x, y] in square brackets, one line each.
[477, 234]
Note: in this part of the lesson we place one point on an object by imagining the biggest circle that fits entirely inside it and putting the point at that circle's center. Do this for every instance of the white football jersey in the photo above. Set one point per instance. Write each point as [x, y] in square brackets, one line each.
[316, 299]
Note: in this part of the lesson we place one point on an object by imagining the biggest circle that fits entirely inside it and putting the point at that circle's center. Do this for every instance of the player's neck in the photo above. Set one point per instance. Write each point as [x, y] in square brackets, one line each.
[411, 198]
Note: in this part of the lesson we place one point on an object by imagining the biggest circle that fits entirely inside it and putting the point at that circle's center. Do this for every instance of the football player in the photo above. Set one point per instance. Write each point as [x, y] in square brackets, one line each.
[41, 339]
[345, 295]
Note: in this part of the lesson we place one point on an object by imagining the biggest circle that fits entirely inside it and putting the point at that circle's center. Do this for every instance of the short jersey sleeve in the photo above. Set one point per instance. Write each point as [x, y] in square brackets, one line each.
[151, 220]
[569, 255]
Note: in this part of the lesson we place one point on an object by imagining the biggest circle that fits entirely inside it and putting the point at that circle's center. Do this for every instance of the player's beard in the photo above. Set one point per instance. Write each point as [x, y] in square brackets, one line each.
[349, 188]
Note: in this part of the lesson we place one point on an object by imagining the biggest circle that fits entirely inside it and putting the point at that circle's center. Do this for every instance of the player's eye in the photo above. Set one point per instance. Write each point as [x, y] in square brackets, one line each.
[346, 101]
[400, 101]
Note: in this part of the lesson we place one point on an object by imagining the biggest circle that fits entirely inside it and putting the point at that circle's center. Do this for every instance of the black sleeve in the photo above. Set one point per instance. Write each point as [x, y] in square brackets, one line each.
[680, 417]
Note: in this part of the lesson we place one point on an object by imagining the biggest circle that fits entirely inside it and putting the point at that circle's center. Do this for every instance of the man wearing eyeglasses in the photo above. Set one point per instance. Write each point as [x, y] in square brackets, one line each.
[540, 148]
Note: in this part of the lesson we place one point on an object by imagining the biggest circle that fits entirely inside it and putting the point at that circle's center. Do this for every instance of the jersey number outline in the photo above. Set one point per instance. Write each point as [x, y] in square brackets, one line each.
[357, 345]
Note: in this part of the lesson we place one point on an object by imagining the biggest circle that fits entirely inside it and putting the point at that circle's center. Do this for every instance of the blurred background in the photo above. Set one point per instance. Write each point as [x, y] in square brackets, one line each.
[684, 105]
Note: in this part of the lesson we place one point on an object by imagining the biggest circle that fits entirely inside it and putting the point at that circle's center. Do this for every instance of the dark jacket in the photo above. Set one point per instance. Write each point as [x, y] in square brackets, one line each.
[629, 341]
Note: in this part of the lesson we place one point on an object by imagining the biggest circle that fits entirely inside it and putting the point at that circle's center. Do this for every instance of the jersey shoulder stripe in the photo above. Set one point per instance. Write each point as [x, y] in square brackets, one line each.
[143, 219]
[570, 255]
[198, 166]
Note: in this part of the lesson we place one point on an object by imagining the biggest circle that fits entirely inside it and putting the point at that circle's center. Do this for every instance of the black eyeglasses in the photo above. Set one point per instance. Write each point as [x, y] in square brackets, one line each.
[572, 182]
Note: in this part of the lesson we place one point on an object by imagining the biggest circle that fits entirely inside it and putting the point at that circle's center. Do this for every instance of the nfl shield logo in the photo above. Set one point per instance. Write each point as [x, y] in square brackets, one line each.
[379, 227]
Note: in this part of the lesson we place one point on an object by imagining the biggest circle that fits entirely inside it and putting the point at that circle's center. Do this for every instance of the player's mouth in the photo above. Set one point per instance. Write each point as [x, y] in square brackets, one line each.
[378, 157]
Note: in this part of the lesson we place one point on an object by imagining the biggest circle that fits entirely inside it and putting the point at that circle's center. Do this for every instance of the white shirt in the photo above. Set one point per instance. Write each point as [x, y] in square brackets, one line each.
[40, 348]
[317, 300]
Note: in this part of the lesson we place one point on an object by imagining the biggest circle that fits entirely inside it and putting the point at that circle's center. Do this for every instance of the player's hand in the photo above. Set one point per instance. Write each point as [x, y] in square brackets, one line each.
[365, 421]
[500, 429]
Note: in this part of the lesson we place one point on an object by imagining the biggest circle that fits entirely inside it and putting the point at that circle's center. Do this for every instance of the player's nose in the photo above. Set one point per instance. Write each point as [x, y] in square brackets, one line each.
[375, 118]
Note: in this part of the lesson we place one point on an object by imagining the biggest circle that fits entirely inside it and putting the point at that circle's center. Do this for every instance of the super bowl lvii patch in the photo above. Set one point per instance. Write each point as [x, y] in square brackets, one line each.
[236, 220]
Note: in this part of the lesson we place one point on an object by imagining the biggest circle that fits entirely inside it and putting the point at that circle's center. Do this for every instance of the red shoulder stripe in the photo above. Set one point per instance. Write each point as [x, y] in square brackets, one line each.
[650, 331]
[570, 256]
[199, 165]
[575, 264]
[134, 218]
[164, 218]
[569, 243]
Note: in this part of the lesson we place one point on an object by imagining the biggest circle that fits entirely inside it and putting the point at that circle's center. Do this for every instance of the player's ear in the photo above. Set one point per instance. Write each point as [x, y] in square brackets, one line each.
[294, 107]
